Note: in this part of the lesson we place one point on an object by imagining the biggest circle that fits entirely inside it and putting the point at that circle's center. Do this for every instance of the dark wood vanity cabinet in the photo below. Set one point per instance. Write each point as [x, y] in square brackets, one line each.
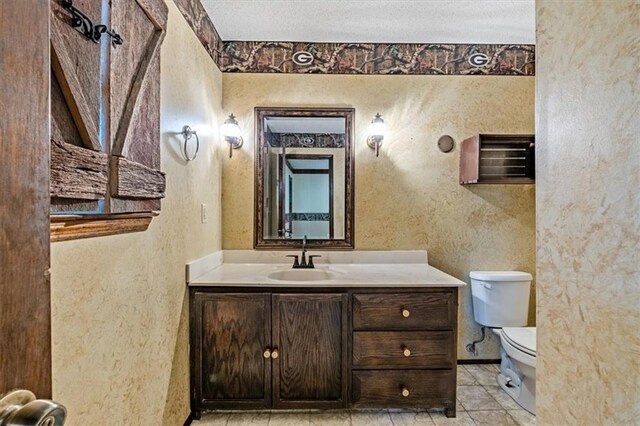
[230, 338]
[404, 349]
[323, 348]
[310, 335]
[268, 350]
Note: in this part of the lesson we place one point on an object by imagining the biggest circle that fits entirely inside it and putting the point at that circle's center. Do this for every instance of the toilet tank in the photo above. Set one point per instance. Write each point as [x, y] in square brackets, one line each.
[500, 298]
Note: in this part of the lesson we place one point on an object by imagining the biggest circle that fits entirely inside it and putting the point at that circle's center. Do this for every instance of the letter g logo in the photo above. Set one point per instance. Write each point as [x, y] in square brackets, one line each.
[478, 59]
[302, 58]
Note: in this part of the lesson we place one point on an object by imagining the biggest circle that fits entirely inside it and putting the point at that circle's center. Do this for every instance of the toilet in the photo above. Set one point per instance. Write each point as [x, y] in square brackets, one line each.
[501, 302]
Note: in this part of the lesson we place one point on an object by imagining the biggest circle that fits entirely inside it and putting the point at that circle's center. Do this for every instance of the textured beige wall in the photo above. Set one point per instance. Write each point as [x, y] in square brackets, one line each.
[409, 197]
[588, 170]
[120, 303]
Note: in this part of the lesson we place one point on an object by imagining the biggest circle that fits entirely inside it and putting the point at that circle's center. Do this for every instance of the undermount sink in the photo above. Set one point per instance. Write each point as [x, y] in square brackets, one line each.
[302, 275]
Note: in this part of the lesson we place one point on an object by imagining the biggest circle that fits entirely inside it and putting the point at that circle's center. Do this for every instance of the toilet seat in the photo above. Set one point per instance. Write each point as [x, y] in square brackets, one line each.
[521, 338]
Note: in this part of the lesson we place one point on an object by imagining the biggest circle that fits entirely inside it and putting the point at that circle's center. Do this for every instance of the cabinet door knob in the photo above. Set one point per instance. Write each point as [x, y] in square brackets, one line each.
[406, 313]
[406, 351]
[274, 354]
[267, 353]
[405, 392]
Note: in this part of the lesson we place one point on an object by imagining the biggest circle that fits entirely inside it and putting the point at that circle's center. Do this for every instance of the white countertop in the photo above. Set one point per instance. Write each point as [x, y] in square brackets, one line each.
[346, 275]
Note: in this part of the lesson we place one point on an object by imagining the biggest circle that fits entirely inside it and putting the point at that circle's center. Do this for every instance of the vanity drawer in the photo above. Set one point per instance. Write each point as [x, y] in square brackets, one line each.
[404, 311]
[403, 349]
[422, 388]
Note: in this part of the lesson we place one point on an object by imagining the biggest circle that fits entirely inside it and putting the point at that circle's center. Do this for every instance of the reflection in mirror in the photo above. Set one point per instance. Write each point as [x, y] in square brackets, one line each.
[305, 168]
[302, 198]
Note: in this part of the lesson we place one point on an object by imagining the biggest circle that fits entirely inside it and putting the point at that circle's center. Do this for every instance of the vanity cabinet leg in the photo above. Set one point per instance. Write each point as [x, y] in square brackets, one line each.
[450, 411]
[196, 414]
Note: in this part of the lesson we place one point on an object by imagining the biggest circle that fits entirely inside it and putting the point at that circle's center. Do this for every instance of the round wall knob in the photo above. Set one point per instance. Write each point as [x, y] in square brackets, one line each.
[406, 351]
[267, 353]
[274, 354]
[405, 392]
[406, 313]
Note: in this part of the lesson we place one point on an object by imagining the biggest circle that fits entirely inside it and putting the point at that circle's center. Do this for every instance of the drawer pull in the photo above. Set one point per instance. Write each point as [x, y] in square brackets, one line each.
[405, 391]
[274, 354]
[267, 353]
[406, 313]
[406, 351]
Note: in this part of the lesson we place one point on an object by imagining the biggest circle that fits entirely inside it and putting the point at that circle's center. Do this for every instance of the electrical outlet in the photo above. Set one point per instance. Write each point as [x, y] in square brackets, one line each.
[204, 213]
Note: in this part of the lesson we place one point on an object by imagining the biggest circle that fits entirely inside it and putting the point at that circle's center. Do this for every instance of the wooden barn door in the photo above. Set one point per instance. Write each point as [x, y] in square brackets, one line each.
[79, 172]
[137, 183]
[105, 127]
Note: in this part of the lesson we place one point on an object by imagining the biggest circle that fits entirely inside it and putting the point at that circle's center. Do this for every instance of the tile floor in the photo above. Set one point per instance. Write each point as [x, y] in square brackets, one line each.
[480, 402]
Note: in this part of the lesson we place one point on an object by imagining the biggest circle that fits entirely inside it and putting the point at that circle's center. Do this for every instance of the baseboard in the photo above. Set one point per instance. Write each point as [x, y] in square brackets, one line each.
[478, 361]
[189, 420]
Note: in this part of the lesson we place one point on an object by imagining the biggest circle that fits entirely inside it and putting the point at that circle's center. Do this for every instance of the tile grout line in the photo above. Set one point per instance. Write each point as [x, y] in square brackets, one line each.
[506, 410]
[464, 410]
[485, 389]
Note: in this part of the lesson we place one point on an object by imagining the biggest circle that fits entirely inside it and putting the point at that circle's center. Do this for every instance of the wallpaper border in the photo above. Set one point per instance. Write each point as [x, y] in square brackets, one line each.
[356, 58]
[378, 58]
[199, 21]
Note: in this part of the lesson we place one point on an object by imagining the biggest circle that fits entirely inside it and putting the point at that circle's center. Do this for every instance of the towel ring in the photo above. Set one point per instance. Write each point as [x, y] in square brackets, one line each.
[188, 133]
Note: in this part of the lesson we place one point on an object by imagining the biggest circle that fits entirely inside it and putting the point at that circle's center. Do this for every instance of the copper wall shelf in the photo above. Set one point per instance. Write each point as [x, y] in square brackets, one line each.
[497, 159]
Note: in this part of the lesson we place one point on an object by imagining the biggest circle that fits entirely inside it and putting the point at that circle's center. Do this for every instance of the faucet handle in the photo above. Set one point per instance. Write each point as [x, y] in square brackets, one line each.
[295, 262]
[311, 256]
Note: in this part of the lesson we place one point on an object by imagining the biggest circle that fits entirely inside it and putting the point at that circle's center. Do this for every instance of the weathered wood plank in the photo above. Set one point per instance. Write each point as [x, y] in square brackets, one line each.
[65, 68]
[135, 96]
[135, 180]
[25, 305]
[130, 66]
[157, 11]
[77, 173]
[68, 227]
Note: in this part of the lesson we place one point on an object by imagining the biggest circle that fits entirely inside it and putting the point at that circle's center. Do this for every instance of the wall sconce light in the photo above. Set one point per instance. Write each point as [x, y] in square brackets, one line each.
[187, 133]
[232, 134]
[376, 133]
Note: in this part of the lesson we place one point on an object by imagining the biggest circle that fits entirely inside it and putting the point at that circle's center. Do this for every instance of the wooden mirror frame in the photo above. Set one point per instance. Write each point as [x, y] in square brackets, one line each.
[346, 243]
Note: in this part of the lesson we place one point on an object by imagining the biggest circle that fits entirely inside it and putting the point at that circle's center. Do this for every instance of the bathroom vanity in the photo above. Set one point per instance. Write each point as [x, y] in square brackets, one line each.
[352, 335]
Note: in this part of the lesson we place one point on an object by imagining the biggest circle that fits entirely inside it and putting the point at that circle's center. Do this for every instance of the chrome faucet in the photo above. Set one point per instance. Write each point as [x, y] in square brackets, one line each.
[303, 264]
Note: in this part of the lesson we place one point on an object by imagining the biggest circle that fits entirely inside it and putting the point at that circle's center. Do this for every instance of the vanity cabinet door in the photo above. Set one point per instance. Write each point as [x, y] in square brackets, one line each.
[232, 337]
[310, 348]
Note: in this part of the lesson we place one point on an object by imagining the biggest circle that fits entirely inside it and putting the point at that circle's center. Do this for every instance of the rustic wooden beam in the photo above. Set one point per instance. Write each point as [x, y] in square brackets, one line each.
[25, 303]
[135, 180]
[73, 227]
[77, 172]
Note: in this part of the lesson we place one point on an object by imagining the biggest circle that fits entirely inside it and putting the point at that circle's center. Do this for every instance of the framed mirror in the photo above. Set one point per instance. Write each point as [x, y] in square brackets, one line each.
[304, 173]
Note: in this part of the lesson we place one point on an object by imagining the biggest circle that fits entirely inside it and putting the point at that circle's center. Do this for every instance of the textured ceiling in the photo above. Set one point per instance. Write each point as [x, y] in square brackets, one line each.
[376, 21]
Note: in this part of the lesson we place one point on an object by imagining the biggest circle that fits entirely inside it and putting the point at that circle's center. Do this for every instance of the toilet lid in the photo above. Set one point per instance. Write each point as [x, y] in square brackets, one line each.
[515, 276]
[522, 338]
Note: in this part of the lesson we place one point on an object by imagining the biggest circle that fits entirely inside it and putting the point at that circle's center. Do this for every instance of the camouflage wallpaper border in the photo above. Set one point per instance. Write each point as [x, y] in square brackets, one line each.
[306, 140]
[378, 58]
[356, 58]
[199, 21]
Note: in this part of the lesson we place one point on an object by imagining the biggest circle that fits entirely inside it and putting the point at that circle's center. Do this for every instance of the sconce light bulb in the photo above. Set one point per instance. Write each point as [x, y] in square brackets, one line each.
[376, 132]
[232, 134]
[377, 127]
[230, 128]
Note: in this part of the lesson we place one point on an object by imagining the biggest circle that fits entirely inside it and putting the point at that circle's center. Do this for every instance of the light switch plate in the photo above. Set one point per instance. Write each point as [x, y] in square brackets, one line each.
[204, 213]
